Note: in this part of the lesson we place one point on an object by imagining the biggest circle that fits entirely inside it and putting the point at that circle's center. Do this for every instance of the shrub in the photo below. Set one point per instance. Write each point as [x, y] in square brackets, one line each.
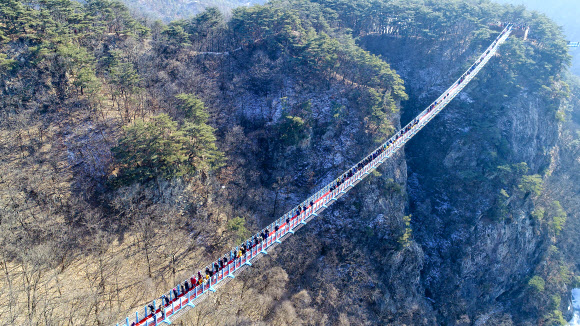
[504, 193]
[558, 217]
[531, 184]
[293, 130]
[537, 283]
[405, 238]
[393, 188]
[538, 214]
[556, 300]
[237, 226]
[555, 318]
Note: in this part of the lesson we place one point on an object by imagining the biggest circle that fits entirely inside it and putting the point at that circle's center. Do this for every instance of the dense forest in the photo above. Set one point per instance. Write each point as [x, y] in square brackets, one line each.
[135, 151]
[564, 13]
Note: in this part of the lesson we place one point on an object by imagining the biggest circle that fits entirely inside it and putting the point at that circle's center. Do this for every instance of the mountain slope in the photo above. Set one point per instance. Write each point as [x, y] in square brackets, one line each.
[133, 155]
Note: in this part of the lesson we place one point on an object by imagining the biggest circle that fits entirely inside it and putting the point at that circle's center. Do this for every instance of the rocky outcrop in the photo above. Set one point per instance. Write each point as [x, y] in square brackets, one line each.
[349, 258]
[474, 258]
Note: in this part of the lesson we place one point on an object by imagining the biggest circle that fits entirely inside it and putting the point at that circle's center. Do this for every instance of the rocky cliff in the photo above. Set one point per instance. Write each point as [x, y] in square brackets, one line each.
[474, 223]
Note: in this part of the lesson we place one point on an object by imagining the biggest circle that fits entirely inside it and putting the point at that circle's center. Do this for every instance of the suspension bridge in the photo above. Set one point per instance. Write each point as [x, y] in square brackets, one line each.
[186, 295]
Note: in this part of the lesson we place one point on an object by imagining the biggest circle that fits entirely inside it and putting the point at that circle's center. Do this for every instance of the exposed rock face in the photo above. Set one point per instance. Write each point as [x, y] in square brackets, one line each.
[475, 243]
[472, 259]
[349, 258]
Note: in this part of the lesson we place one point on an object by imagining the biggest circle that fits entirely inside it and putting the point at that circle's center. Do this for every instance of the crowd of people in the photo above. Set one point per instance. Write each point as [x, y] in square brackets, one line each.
[205, 280]
[469, 71]
[369, 159]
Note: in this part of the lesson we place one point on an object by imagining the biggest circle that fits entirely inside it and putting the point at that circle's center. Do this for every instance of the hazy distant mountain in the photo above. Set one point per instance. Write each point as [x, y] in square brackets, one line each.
[565, 13]
[168, 10]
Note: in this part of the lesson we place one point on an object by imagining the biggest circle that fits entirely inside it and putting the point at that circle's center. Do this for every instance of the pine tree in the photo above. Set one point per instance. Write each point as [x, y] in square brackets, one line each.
[160, 148]
[202, 150]
[15, 18]
[192, 108]
[149, 150]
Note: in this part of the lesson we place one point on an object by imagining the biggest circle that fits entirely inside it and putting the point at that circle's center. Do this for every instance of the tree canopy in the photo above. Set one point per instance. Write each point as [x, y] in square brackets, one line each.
[163, 148]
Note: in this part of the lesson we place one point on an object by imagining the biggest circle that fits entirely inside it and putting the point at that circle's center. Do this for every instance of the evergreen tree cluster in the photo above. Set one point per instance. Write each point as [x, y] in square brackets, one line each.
[163, 148]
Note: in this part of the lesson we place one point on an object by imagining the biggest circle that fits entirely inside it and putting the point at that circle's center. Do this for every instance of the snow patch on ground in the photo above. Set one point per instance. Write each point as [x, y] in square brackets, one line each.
[576, 306]
[466, 98]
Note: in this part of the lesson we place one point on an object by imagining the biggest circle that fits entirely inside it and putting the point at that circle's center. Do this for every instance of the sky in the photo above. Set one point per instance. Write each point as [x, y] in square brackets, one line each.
[565, 13]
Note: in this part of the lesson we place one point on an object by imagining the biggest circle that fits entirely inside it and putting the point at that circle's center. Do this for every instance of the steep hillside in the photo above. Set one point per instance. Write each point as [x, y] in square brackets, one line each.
[564, 180]
[132, 155]
[480, 211]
